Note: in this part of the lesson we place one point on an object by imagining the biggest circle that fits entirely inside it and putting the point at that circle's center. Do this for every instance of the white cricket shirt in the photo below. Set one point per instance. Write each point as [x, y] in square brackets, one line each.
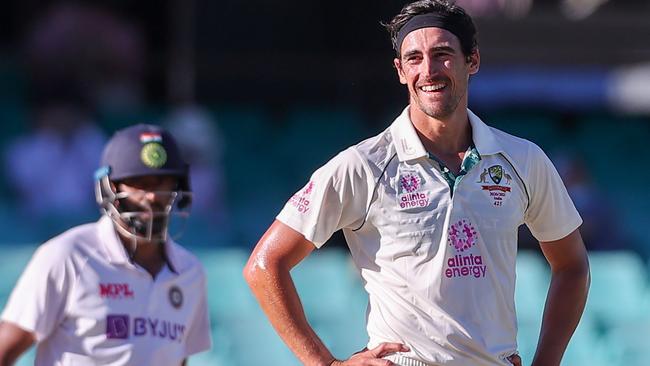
[439, 268]
[88, 304]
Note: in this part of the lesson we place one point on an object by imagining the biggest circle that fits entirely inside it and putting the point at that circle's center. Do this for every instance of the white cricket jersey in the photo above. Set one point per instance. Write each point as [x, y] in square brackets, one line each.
[88, 304]
[439, 268]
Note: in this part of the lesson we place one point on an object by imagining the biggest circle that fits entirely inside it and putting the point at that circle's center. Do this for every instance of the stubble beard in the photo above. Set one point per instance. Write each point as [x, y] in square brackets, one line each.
[438, 110]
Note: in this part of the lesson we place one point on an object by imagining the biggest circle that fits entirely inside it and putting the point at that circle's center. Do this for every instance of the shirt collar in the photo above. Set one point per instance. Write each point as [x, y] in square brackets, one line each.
[406, 140]
[483, 137]
[115, 251]
[409, 147]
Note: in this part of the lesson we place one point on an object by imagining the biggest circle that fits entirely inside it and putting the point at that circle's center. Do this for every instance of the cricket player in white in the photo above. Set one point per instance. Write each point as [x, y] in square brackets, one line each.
[430, 209]
[118, 291]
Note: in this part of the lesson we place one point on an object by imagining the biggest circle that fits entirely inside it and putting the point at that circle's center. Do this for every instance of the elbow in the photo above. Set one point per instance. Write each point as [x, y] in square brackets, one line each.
[578, 273]
[254, 271]
[260, 273]
[259, 276]
[580, 269]
[583, 271]
[583, 276]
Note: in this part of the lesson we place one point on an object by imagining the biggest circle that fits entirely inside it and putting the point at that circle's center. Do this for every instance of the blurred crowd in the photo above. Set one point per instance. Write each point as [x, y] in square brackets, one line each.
[86, 70]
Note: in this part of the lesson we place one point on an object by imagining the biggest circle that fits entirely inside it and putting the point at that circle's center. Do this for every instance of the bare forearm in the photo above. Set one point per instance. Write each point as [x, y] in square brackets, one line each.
[565, 303]
[277, 295]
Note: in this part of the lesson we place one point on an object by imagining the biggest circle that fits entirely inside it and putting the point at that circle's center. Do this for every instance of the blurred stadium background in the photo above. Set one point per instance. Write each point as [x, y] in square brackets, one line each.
[261, 93]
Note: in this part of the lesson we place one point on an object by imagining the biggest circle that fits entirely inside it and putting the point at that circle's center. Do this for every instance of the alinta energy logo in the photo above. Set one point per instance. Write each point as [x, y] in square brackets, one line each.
[301, 200]
[408, 195]
[462, 236]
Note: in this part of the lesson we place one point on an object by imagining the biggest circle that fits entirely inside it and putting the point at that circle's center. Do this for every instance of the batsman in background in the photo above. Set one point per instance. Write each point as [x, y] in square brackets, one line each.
[118, 291]
[430, 209]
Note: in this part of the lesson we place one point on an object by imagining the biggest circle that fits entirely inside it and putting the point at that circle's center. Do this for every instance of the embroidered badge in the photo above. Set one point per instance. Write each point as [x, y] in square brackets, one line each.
[496, 173]
[500, 188]
[153, 155]
[176, 297]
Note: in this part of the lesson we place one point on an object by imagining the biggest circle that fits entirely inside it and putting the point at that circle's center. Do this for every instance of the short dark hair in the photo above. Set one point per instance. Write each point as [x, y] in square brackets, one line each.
[468, 41]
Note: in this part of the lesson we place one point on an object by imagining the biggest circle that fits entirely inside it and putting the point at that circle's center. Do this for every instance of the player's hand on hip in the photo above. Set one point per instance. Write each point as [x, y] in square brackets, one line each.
[373, 357]
[515, 360]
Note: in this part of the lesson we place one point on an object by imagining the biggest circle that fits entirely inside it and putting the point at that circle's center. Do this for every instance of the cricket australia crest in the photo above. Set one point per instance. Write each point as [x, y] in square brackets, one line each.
[496, 173]
[501, 189]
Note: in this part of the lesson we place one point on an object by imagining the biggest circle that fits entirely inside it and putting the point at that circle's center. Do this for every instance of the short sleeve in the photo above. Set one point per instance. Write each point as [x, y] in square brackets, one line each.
[335, 197]
[37, 302]
[551, 214]
[198, 336]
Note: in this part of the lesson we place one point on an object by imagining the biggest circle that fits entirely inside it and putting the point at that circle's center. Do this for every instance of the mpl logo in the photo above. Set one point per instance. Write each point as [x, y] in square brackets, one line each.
[462, 236]
[301, 200]
[115, 291]
[408, 196]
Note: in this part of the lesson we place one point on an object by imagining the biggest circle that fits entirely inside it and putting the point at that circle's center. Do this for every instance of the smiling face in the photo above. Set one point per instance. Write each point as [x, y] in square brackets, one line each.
[435, 71]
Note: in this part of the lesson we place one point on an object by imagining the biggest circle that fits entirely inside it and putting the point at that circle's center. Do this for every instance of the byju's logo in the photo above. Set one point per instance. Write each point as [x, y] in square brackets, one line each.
[462, 236]
[117, 326]
[123, 327]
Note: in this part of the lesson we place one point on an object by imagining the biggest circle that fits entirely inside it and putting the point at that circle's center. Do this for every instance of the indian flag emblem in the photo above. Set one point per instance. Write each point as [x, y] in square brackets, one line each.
[147, 137]
[153, 155]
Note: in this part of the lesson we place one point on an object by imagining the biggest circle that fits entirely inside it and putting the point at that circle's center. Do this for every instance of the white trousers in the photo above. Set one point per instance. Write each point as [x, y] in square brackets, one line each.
[405, 361]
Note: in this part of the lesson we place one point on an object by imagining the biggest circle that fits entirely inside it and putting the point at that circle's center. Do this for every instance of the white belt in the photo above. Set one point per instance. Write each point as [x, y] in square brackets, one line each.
[405, 361]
